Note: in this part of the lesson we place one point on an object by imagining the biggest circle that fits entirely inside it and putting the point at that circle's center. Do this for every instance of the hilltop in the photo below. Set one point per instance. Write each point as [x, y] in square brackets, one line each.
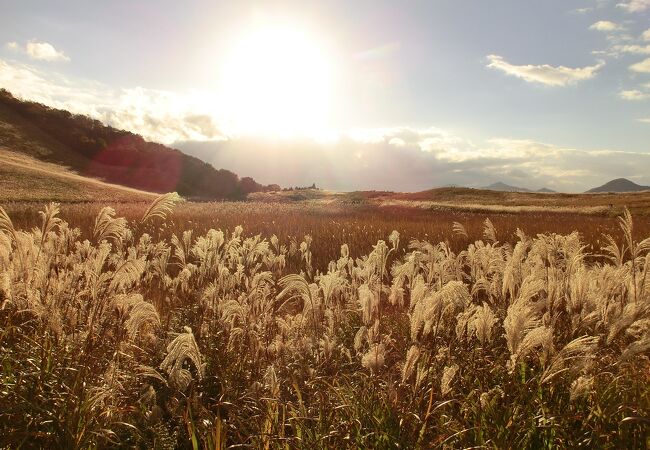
[92, 149]
[620, 185]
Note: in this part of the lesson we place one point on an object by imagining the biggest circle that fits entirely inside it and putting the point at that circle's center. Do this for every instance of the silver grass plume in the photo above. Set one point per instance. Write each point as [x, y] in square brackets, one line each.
[108, 227]
[161, 206]
[571, 357]
[489, 231]
[459, 230]
[448, 375]
[183, 348]
[410, 363]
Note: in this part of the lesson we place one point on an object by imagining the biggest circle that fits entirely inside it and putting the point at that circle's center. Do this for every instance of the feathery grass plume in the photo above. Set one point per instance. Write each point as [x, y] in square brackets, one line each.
[438, 309]
[374, 358]
[489, 231]
[6, 226]
[459, 230]
[581, 387]
[540, 337]
[298, 287]
[522, 315]
[49, 219]
[108, 227]
[183, 348]
[571, 357]
[637, 347]
[448, 375]
[393, 238]
[126, 275]
[369, 303]
[410, 363]
[484, 321]
[142, 313]
[161, 206]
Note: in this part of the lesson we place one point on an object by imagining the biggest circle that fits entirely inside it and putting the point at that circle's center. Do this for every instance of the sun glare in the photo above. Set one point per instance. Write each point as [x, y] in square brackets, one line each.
[277, 81]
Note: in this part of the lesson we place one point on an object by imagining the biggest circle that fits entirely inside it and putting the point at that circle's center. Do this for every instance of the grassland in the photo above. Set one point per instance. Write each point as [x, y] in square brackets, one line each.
[26, 179]
[322, 323]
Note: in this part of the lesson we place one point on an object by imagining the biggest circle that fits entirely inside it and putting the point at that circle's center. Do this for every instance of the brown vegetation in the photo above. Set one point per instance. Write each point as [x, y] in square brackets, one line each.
[155, 331]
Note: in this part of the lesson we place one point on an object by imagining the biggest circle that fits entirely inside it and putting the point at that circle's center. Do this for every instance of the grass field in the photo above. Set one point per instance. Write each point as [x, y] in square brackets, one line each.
[321, 324]
[25, 179]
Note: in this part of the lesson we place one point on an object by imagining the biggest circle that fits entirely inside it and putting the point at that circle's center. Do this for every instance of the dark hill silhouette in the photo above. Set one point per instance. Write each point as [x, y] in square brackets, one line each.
[502, 187]
[546, 190]
[620, 185]
[93, 149]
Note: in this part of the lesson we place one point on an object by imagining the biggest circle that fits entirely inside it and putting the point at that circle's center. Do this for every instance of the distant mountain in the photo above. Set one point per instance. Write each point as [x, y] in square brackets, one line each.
[620, 185]
[499, 186]
[546, 190]
[95, 150]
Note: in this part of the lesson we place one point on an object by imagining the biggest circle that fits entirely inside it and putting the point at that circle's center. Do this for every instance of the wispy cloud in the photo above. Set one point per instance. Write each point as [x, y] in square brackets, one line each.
[634, 94]
[605, 25]
[42, 51]
[641, 67]
[635, 5]
[544, 73]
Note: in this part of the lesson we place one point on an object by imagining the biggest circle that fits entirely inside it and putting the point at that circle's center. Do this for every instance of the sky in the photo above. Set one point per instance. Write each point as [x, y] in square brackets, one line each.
[395, 95]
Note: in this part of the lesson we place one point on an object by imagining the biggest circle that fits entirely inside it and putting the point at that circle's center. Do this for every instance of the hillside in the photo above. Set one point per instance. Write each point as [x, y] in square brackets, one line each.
[620, 185]
[23, 178]
[93, 149]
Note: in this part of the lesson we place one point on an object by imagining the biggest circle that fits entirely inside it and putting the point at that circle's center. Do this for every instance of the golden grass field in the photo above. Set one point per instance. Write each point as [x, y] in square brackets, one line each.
[322, 323]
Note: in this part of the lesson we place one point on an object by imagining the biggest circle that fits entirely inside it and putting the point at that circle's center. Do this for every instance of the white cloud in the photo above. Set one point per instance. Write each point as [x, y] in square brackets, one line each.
[646, 35]
[634, 94]
[157, 115]
[544, 73]
[12, 46]
[633, 49]
[645, 120]
[605, 25]
[44, 51]
[642, 67]
[635, 5]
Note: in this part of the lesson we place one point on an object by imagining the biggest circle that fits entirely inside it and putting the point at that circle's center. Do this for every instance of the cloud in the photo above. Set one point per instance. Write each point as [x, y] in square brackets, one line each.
[646, 35]
[634, 94]
[645, 120]
[545, 74]
[160, 116]
[605, 25]
[404, 159]
[45, 52]
[41, 51]
[642, 67]
[633, 49]
[635, 5]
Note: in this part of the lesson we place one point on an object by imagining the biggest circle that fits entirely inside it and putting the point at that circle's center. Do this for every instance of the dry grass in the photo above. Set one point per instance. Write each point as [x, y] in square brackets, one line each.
[191, 331]
[23, 178]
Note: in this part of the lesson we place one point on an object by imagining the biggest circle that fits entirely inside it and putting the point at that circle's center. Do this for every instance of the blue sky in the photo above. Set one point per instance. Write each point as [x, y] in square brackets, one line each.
[535, 93]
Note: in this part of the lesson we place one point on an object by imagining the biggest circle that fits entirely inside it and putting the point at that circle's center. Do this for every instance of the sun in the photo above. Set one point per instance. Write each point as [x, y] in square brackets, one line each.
[277, 81]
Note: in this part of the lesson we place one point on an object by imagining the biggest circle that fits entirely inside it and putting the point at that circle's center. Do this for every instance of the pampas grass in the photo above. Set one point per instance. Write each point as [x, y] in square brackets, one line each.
[217, 338]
